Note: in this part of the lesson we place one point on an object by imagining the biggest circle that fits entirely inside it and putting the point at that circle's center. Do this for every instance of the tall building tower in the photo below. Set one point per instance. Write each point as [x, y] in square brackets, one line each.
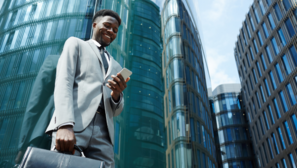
[234, 145]
[266, 59]
[29, 32]
[190, 138]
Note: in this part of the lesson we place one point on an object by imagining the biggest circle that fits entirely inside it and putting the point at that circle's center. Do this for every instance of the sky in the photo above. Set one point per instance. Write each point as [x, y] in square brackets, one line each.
[219, 25]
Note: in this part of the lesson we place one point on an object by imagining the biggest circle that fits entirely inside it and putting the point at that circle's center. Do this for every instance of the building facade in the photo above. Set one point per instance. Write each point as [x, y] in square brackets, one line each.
[231, 129]
[266, 59]
[190, 138]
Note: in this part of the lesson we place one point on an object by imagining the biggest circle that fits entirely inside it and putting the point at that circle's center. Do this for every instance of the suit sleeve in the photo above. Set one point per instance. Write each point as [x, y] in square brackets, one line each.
[63, 94]
[118, 107]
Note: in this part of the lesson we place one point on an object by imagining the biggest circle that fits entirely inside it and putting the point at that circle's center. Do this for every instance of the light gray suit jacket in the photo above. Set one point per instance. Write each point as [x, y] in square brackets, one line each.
[80, 83]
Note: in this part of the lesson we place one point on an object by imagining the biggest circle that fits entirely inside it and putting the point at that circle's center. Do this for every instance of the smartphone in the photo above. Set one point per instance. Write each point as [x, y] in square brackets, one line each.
[125, 73]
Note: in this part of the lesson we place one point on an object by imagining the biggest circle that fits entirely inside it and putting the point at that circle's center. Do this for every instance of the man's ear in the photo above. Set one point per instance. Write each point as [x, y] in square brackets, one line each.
[94, 24]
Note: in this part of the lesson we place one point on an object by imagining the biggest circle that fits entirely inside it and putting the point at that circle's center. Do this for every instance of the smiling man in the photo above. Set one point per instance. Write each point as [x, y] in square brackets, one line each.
[88, 92]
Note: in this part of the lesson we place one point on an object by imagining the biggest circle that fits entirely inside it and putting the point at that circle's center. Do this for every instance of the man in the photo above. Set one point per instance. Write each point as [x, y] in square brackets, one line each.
[87, 93]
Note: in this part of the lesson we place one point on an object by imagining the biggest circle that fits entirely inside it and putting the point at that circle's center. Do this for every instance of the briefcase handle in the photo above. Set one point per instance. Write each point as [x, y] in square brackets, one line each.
[77, 148]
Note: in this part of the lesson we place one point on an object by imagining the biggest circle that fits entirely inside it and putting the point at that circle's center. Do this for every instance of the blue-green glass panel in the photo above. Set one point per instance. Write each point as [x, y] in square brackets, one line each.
[290, 27]
[288, 132]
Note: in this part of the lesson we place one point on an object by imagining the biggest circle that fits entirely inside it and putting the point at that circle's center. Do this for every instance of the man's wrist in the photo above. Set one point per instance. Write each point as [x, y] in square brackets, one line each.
[116, 97]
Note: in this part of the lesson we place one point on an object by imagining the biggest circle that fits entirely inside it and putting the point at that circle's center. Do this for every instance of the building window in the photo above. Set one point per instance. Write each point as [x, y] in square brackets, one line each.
[267, 87]
[286, 65]
[262, 93]
[244, 37]
[270, 148]
[271, 22]
[293, 54]
[276, 108]
[262, 7]
[117, 138]
[255, 45]
[251, 82]
[281, 36]
[6, 98]
[260, 38]
[248, 59]
[272, 80]
[198, 133]
[266, 120]
[247, 28]
[259, 69]
[263, 62]
[261, 124]
[264, 27]
[270, 59]
[288, 132]
[271, 114]
[252, 53]
[275, 143]
[252, 22]
[286, 4]
[268, 2]
[294, 122]
[256, 14]
[292, 162]
[283, 101]
[279, 73]
[281, 138]
[192, 130]
[255, 76]
[274, 46]
[289, 27]
[291, 94]
[278, 12]
[284, 163]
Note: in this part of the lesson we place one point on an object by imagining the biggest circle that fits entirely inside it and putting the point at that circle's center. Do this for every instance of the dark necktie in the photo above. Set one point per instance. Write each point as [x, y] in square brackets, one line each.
[105, 64]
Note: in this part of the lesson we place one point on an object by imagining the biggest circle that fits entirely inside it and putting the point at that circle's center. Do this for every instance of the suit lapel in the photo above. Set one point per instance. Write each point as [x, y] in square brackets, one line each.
[95, 49]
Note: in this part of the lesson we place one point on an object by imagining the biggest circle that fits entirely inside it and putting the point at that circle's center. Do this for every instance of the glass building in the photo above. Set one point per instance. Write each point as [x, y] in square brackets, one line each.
[190, 137]
[266, 58]
[234, 145]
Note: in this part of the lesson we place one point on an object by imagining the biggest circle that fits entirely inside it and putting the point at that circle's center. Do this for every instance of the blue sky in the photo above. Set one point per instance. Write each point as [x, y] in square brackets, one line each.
[219, 24]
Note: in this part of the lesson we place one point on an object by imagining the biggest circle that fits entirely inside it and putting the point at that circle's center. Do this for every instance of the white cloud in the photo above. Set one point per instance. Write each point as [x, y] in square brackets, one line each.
[217, 9]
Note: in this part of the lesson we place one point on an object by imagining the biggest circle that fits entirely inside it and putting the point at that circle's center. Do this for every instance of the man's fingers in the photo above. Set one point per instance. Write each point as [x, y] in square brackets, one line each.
[120, 76]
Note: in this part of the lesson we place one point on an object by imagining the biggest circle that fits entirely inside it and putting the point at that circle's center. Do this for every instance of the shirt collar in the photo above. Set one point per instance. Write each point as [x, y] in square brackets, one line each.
[97, 44]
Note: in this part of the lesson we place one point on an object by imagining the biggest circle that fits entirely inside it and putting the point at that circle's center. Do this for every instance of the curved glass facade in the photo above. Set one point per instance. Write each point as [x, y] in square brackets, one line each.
[30, 31]
[190, 138]
[233, 142]
[266, 58]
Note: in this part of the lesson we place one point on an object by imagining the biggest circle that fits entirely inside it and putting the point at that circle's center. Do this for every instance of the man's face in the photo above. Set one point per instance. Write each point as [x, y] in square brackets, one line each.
[105, 30]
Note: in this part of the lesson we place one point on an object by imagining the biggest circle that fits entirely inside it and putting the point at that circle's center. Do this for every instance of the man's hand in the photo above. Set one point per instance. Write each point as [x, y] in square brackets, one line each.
[65, 139]
[117, 85]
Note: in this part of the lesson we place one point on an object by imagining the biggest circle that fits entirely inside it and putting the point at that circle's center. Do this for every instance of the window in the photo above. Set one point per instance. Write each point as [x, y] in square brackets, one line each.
[261, 124]
[262, 7]
[272, 80]
[264, 27]
[288, 133]
[289, 27]
[251, 82]
[198, 133]
[270, 148]
[287, 4]
[255, 77]
[6, 98]
[264, 151]
[279, 73]
[262, 93]
[286, 65]
[268, 2]
[116, 138]
[247, 28]
[248, 60]
[252, 53]
[276, 108]
[252, 22]
[260, 38]
[271, 22]
[192, 130]
[274, 46]
[283, 101]
[293, 54]
[266, 120]
[255, 45]
[275, 143]
[278, 12]
[281, 36]
[263, 62]
[267, 87]
[292, 162]
[270, 114]
[256, 14]
[291, 94]
[258, 100]
[244, 37]
[259, 69]
[270, 59]
[281, 138]
[294, 122]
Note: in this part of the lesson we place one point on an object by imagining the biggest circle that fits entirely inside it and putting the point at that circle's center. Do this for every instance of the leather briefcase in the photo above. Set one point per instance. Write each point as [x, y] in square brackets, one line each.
[41, 158]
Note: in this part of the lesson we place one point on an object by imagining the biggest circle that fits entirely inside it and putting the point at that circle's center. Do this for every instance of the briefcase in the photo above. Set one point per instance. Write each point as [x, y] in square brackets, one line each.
[41, 158]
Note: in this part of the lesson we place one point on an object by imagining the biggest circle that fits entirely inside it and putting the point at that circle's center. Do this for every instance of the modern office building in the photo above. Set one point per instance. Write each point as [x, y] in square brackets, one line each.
[231, 129]
[190, 138]
[266, 59]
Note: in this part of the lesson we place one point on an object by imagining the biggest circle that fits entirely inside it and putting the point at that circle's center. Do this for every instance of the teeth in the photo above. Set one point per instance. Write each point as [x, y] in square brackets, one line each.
[107, 36]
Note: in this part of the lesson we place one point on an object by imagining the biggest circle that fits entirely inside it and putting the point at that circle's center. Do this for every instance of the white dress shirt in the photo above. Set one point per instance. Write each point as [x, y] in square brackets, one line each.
[108, 61]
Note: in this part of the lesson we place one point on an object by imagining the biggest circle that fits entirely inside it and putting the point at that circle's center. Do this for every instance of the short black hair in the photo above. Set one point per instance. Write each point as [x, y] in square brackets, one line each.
[107, 12]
